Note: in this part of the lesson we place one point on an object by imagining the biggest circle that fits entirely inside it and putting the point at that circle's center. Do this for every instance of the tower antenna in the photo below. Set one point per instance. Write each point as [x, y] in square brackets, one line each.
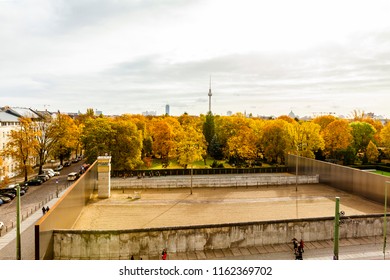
[210, 94]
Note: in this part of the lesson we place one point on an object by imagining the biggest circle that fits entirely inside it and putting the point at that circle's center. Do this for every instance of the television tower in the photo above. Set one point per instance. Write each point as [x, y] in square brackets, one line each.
[210, 94]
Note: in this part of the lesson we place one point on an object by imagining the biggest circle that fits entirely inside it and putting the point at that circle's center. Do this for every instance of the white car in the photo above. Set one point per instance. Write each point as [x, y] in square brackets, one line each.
[1, 225]
[51, 172]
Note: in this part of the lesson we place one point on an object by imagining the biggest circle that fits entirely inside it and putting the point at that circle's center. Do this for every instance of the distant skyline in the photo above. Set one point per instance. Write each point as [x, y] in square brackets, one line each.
[264, 57]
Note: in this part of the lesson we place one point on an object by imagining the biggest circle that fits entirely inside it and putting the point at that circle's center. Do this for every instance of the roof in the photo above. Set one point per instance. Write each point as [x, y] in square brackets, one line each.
[7, 117]
[22, 112]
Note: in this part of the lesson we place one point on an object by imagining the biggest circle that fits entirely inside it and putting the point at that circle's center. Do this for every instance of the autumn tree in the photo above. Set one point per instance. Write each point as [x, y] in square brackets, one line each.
[385, 138]
[68, 137]
[126, 144]
[372, 152]
[191, 146]
[51, 132]
[337, 136]
[323, 121]
[276, 140]
[307, 138]
[242, 146]
[164, 132]
[23, 145]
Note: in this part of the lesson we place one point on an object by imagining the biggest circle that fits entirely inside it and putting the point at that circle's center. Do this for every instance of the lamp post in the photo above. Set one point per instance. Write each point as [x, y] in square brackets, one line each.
[385, 222]
[18, 240]
[296, 170]
[336, 230]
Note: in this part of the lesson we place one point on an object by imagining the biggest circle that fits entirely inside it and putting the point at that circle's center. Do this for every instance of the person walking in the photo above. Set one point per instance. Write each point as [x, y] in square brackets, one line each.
[295, 244]
[164, 254]
[43, 210]
[299, 255]
[302, 244]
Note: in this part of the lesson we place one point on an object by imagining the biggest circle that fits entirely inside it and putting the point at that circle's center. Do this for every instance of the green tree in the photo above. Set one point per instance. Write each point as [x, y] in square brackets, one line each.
[215, 148]
[97, 138]
[209, 130]
[362, 134]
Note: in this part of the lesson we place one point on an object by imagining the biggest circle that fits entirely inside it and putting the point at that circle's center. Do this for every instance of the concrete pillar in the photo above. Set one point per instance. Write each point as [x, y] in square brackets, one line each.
[104, 182]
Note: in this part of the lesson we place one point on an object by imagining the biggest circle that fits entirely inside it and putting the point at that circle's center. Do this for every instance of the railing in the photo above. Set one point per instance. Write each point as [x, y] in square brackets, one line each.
[196, 171]
[31, 210]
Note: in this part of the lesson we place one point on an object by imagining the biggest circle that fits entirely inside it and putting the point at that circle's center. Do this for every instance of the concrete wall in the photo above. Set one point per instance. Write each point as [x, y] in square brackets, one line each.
[121, 244]
[362, 183]
[64, 213]
[214, 181]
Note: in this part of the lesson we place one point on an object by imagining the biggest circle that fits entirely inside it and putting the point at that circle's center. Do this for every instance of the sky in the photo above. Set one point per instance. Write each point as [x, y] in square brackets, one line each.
[264, 57]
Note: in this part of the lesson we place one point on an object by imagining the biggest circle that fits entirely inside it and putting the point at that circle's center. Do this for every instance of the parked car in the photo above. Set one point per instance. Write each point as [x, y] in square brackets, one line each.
[12, 190]
[34, 181]
[44, 177]
[8, 194]
[51, 172]
[72, 176]
[5, 199]
[67, 163]
[59, 168]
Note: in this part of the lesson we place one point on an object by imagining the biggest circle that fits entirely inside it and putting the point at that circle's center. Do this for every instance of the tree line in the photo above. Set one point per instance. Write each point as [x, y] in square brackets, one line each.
[134, 141]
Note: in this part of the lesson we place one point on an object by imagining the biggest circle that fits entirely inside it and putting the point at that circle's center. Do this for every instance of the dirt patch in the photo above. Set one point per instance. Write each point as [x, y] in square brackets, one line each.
[176, 207]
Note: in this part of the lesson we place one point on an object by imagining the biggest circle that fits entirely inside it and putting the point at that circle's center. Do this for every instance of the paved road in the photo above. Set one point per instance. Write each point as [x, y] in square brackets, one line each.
[35, 197]
[31, 204]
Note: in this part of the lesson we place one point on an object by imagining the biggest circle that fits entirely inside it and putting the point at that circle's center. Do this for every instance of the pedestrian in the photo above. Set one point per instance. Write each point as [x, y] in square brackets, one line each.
[132, 257]
[47, 209]
[164, 254]
[43, 210]
[302, 244]
[299, 255]
[295, 244]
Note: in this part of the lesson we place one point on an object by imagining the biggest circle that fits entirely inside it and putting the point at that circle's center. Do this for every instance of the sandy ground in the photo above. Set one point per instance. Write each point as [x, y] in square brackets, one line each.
[176, 207]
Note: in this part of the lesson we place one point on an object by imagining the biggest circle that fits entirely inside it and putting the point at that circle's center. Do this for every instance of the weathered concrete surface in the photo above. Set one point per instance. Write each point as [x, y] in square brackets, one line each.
[214, 181]
[212, 219]
[122, 244]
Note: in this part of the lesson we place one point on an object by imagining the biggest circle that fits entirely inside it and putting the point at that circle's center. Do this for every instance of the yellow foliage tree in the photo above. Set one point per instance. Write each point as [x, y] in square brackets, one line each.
[337, 136]
[23, 145]
[372, 152]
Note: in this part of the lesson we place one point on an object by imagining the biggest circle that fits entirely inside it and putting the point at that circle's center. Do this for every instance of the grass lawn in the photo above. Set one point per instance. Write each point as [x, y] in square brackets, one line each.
[385, 173]
[156, 164]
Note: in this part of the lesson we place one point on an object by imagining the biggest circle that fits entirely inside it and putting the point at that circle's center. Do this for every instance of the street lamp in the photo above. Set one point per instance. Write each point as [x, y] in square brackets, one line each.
[296, 170]
[57, 187]
[385, 222]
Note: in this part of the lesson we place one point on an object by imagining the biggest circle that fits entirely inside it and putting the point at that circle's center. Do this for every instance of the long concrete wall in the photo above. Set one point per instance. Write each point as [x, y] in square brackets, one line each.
[121, 244]
[359, 182]
[64, 213]
[214, 181]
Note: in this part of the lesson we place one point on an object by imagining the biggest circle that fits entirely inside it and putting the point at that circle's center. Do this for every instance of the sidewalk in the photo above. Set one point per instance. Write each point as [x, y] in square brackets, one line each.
[31, 220]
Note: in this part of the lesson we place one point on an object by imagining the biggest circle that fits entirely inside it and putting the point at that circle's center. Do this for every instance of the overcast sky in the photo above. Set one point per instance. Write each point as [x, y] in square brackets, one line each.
[264, 57]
